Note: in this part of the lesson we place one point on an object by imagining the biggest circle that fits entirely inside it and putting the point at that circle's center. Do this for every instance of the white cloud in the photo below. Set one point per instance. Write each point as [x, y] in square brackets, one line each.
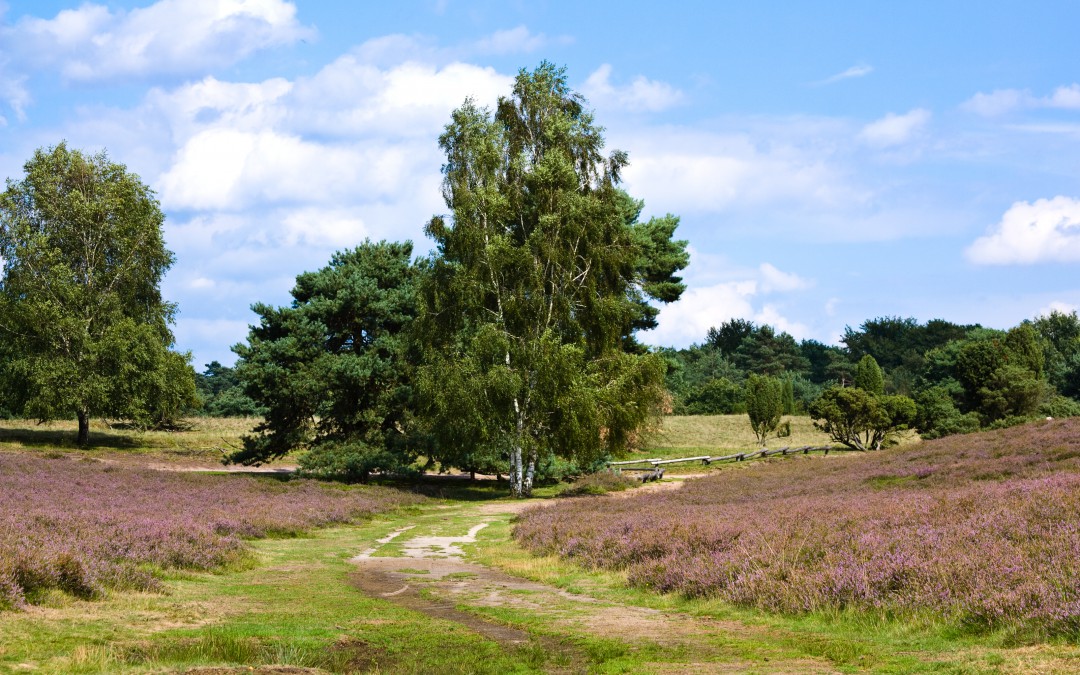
[13, 91]
[831, 305]
[770, 316]
[699, 309]
[775, 281]
[350, 97]
[173, 37]
[704, 306]
[1057, 306]
[641, 95]
[512, 41]
[1003, 101]
[895, 129]
[860, 70]
[324, 227]
[685, 171]
[350, 133]
[1047, 230]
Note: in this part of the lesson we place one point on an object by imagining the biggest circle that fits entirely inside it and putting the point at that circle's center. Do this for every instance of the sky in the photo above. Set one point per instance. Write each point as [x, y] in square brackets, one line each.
[830, 163]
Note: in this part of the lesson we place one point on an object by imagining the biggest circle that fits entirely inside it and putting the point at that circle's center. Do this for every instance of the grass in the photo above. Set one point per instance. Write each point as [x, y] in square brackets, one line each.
[294, 608]
[201, 441]
[693, 435]
[717, 433]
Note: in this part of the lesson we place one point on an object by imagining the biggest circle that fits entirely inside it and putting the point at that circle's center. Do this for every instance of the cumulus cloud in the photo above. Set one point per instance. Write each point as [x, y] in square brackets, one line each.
[704, 306]
[859, 70]
[895, 129]
[775, 281]
[13, 91]
[641, 95]
[685, 171]
[517, 40]
[1003, 101]
[1047, 230]
[173, 37]
[352, 132]
[1057, 306]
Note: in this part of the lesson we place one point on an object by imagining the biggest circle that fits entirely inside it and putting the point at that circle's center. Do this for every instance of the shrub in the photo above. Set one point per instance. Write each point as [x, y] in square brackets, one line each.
[764, 404]
[598, 483]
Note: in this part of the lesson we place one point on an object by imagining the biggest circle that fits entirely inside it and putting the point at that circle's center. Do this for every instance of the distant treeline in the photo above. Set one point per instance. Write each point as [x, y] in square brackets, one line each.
[962, 377]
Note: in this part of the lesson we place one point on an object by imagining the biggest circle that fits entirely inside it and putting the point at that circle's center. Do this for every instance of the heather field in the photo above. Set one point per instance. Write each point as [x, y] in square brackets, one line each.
[981, 531]
[84, 526]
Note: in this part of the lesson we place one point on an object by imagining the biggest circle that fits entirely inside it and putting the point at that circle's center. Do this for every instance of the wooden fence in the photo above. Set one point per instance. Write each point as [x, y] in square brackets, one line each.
[655, 469]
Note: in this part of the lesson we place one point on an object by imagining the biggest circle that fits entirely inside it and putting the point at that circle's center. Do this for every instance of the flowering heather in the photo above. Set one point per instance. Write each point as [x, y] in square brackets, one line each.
[82, 526]
[982, 529]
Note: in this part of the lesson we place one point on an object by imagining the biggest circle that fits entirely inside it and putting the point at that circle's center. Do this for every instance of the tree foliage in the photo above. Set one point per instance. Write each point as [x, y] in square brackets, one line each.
[868, 375]
[333, 369]
[860, 419]
[1059, 333]
[85, 328]
[764, 404]
[539, 280]
[221, 393]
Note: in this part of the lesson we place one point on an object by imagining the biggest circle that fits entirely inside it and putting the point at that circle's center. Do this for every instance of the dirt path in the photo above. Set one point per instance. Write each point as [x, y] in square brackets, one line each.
[423, 566]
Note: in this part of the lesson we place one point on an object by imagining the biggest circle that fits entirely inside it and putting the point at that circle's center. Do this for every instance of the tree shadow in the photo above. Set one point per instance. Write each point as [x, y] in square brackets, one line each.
[453, 487]
[65, 439]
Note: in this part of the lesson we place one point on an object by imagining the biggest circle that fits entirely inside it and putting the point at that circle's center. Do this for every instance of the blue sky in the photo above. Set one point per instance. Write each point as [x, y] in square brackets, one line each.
[829, 165]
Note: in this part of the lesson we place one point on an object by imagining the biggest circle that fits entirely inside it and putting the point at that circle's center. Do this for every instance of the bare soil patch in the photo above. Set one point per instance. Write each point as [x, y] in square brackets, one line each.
[436, 580]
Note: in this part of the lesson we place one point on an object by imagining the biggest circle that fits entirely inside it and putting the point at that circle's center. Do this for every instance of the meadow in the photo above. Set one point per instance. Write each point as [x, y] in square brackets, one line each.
[200, 441]
[982, 530]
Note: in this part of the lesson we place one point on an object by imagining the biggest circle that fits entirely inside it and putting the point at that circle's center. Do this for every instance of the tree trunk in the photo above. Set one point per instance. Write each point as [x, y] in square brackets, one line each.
[516, 487]
[530, 472]
[84, 429]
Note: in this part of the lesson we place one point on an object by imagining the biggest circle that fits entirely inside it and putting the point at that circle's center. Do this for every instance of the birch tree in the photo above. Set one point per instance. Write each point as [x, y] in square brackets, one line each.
[84, 325]
[537, 282]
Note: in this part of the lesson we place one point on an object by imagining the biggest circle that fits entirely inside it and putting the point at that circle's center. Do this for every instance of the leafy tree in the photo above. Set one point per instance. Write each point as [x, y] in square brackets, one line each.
[998, 381]
[81, 314]
[938, 414]
[868, 375]
[1060, 336]
[860, 419]
[1025, 350]
[764, 404]
[823, 360]
[789, 395]
[764, 352]
[333, 369]
[659, 258]
[222, 394]
[536, 285]
[730, 335]
[897, 343]
[718, 396]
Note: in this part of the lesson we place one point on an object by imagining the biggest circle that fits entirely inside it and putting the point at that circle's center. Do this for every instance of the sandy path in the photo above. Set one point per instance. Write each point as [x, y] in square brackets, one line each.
[430, 574]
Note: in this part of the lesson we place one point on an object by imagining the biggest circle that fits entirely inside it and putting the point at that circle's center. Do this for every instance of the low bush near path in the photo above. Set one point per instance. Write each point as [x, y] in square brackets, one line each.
[84, 526]
[983, 530]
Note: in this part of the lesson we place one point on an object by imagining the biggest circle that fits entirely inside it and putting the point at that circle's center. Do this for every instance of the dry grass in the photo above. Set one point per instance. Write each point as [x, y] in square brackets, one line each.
[201, 441]
[727, 432]
[686, 435]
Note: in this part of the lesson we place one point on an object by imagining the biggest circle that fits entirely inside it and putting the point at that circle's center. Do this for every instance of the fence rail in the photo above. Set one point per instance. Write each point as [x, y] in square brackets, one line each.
[654, 472]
